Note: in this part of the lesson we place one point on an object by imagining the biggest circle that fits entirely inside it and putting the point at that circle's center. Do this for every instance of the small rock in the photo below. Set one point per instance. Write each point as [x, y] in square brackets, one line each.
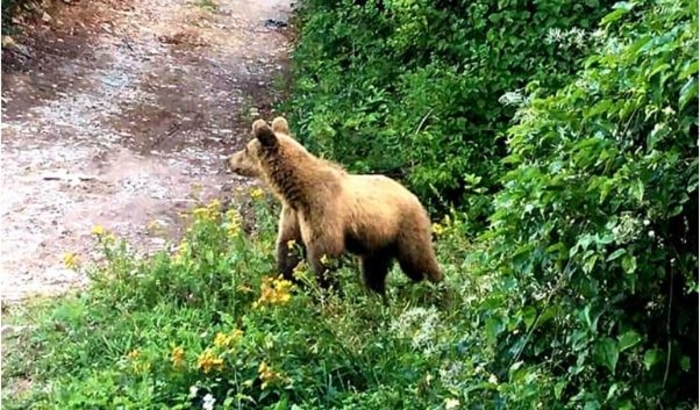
[272, 23]
[9, 330]
[158, 241]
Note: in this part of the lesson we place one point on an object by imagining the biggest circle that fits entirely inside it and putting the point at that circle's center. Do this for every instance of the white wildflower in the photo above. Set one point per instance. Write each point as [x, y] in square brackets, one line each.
[578, 37]
[626, 228]
[599, 33]
[419, 324]
[452, 375]
[451, 404]
[515, 98]
[208, 403]
[553, 35]
[193, 392]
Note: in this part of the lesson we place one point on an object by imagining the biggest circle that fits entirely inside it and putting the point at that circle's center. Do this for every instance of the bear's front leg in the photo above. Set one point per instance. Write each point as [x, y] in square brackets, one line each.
[288, 239]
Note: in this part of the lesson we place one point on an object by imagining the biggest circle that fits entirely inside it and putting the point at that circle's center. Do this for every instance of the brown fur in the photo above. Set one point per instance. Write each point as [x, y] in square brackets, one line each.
[331, 211]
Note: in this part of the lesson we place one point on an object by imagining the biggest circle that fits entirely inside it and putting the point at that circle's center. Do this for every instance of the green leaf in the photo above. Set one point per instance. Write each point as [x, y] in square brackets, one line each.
[559, 388]
[607, 354]
[625, 405]
[628, 340]
[690, 68]
[621, 8]
[611, 391]
[652, 357]
[616, 254]
[629, 264]
[685, 363]
[688, 92]
[592, 405]
[529, 316]
[494, 327]
[638, 190]
[548, 314]
[590, 264]
[209, 256]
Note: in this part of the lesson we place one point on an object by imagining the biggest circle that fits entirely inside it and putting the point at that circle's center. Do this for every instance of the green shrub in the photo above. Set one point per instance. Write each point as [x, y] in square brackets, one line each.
[412, 88]
[595, 232]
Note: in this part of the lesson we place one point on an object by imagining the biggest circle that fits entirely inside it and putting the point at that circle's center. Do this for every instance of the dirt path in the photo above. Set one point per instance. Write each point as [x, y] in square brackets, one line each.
[123, 110]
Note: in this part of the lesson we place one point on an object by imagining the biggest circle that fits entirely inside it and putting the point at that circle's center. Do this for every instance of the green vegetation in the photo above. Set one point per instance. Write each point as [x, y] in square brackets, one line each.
[412, 88]
[9, 8]
[167, 331]
[569, 161]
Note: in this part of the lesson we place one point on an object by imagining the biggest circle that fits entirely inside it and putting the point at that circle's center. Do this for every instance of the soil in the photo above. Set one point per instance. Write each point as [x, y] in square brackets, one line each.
[120, 113]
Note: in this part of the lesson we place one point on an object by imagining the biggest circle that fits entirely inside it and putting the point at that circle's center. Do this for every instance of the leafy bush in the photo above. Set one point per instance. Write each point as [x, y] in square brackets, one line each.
[595, 233]
[9, 8]
[411, 88]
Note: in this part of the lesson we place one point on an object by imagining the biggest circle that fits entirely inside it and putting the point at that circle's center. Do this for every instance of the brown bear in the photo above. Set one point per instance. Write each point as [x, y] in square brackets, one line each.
[288, 229]
[332, 211]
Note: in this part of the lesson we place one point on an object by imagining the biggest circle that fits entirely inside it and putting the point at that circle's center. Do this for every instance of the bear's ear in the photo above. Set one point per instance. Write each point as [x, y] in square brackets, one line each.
[258, 124]
[279, 124]
[264, 133]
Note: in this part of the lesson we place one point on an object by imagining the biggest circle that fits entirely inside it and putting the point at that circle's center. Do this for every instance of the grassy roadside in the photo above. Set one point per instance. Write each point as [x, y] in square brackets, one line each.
[209, 322]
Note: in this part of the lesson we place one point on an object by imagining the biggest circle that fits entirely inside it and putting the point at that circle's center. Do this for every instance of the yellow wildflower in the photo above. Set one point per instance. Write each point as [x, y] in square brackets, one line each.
[222, 340]
[233, 222]
[274, 291]
[267, 375]
[201, 213]
[134, 354]
[208, 361]
[98, 230]
[209, 212]
[71, 261]
[109, 239]
[446, 220]
[438, 229]
[226, 340]
[291, 243]
[256, 193]
[214, 206]
[141, 367]
[181, 251]
[177, 356]
[324, 260]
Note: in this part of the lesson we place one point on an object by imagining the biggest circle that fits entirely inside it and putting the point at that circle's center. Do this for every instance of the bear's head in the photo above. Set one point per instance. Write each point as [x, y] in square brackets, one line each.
[246, 162]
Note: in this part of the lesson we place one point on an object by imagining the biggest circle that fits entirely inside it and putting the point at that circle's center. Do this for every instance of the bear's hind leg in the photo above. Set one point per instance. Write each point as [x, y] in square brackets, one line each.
[417, 258]
[375, 268]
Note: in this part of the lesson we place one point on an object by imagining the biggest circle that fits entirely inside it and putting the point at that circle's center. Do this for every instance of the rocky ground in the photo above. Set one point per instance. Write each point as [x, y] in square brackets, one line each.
[119, 113]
